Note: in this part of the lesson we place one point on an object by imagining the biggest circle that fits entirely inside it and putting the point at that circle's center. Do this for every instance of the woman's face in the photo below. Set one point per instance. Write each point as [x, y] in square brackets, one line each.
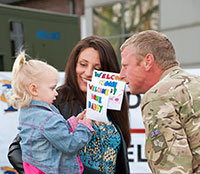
[88, 60]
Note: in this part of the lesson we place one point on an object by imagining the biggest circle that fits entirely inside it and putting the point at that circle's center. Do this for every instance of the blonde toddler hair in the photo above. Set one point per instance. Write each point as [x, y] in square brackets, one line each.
[23, 74]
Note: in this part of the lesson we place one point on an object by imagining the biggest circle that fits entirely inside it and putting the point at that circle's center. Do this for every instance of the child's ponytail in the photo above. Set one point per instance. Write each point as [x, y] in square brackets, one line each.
[18, 95]
[19, 63]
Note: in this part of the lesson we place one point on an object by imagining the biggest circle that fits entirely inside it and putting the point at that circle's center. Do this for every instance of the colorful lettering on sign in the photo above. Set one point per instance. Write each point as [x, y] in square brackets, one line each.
[113, 91]
[108, 83]
[96, 98]
[107, 76]
[98, 89]
[95, 107]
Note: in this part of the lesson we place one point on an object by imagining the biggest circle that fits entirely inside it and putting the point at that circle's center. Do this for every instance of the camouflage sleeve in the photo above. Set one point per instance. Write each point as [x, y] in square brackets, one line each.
[190, 114]
[172, 134]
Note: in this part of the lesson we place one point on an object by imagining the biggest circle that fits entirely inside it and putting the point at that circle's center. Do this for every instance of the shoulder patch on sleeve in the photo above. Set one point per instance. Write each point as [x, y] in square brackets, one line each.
[159, 143]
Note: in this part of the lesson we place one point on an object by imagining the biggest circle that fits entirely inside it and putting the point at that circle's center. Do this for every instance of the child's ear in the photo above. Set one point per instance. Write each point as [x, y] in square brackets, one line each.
[33, 89]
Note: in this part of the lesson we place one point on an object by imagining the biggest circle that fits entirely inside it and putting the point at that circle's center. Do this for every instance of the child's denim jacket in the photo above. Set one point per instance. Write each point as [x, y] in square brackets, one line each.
[46, 139]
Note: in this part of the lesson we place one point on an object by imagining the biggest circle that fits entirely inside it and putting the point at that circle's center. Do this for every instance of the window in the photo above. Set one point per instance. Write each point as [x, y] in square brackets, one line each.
[118, 21]
[16, 37]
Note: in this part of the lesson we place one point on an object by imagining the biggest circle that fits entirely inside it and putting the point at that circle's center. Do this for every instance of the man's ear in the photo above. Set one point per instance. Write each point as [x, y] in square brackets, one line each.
[33, 89]
[148, 61]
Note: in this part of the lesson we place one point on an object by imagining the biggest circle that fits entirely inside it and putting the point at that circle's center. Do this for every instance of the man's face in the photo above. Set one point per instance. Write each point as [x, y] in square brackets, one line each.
[132, 72]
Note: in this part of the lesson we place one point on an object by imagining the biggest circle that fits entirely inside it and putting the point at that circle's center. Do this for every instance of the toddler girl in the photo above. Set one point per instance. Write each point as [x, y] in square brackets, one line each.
[49, 143]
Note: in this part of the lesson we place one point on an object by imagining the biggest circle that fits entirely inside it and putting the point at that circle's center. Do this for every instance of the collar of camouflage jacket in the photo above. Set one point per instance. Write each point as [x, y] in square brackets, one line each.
[165, 73]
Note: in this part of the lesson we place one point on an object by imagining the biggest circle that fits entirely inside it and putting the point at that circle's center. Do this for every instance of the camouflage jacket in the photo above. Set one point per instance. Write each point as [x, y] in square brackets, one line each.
[171, 115]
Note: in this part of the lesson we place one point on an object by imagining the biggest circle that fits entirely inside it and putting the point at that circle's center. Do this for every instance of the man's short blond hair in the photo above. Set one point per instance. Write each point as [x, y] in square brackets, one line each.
[155, 43]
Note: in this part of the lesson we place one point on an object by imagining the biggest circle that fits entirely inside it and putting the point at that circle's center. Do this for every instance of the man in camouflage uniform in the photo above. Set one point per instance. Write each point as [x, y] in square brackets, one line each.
[170, 106]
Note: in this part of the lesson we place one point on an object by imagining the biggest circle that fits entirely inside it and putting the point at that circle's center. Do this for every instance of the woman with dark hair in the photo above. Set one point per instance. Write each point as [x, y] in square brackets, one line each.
[107, 150]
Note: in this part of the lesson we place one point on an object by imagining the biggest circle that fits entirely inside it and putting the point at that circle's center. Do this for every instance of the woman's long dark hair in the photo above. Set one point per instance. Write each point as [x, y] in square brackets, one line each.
[70, 89]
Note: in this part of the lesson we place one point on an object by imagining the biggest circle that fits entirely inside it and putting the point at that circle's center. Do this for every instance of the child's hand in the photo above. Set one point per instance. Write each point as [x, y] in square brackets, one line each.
[88, 120]
[81, 116]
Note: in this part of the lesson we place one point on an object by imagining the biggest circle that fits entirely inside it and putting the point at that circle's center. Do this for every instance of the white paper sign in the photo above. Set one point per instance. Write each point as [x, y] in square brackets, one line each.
[97, 102]
[111, 80]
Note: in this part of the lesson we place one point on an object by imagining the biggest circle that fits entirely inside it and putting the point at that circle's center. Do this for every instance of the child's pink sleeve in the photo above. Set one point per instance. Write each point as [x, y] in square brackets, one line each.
[86, 124]
[73, 123]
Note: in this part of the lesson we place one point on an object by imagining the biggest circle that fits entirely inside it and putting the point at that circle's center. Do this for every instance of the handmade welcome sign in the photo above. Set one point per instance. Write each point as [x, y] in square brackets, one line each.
[97, 101]
[112, 81]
